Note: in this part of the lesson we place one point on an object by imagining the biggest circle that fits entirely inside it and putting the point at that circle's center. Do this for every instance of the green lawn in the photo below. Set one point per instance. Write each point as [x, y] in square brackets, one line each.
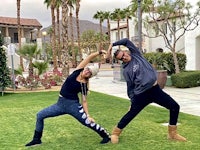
[145, 132]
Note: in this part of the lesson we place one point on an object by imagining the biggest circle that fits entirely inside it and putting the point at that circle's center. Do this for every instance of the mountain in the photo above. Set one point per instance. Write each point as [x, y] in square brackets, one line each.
[84, 26]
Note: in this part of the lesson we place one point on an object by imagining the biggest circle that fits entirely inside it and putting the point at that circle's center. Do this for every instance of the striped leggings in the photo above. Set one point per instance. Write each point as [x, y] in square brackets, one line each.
[71, 107]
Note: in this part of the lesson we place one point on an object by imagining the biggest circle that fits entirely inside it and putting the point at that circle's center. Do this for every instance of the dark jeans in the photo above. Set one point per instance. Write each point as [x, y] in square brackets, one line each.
[71, 107]
[156, 95]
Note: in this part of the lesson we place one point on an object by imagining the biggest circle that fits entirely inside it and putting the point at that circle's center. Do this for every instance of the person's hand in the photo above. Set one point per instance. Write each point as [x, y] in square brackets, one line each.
[102, 52]
[91, 119]
[107, 60]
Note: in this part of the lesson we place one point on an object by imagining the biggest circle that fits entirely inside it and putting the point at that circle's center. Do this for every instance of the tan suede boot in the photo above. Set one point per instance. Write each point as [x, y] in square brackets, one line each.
[173, 135]
[115, 135]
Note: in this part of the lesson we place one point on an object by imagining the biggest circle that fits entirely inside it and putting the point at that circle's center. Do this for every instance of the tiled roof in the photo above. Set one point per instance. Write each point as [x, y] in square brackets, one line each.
[170, 16]
[120, 27]
[23, 21]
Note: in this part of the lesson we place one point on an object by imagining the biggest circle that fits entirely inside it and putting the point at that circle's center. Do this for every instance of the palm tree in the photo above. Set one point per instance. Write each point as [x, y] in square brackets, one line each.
[117, 15]
[78, 27]
[29, 51]
[58, 4]
[70, 4]
[107, 16]
[65, 51]
[99, 15]
[52, 4]
[41, 66]
[144, 7]
[128, 15]
[19, 31]
[145, 4]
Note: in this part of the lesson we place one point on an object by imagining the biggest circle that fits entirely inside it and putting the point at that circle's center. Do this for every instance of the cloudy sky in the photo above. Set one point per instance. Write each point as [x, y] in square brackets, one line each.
[37, 10]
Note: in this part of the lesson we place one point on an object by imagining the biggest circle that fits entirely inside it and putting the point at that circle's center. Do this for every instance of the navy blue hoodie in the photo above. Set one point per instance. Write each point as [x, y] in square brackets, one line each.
[138, 73]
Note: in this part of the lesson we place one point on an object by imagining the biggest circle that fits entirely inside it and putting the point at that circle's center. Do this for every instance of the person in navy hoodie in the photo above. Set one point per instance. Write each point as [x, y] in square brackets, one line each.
[142, 89]
[68, 102]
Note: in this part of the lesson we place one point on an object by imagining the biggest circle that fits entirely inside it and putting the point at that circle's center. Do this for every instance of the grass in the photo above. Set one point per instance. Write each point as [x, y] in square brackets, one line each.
[145, 132]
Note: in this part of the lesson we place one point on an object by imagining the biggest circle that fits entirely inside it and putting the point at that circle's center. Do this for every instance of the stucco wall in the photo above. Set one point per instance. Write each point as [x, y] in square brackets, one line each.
[192, 49]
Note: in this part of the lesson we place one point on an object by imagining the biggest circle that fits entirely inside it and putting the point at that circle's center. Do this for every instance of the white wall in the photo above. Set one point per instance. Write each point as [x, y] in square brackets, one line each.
[16, 61]
[197, 53]
[192, 49]
[189, 44]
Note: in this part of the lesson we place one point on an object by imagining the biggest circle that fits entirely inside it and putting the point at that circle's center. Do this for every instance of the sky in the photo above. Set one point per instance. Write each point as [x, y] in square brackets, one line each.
[36, 9]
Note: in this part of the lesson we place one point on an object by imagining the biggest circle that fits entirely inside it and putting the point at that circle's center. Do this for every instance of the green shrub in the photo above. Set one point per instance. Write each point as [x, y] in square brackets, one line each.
[186, 79]
[166, 61]
[181, 61]
[5, 80]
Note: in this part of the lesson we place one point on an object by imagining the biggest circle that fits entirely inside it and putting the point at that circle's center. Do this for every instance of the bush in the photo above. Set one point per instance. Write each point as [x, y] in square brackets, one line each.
[52, 79]
[166, 61]
[186, 79]
[181, 61]
[5, 80]
[29, 82]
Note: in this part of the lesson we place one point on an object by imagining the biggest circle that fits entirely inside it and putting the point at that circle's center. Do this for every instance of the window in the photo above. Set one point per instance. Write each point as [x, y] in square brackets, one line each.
[116, 35]
[15, 38]
[122, 34]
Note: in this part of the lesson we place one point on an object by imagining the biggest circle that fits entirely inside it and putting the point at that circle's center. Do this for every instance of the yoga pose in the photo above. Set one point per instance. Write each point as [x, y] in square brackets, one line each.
[142, 89]
[68, 101]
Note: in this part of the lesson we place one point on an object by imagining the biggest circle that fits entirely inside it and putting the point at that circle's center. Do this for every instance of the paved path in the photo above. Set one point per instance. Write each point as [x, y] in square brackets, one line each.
[188, 98]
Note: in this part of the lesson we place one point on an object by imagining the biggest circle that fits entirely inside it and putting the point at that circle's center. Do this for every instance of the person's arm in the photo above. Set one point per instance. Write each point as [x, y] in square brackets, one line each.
[109, 51]
[89, 58]
[126, 42]
[85, 107]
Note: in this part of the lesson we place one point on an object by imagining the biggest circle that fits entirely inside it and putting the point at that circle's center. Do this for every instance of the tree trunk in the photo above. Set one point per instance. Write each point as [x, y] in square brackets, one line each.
[65, 55]
[72, 39]
[118, 29]
[53, 39]
[31, 68]
[19, 31]
[127, 31]
[101, 35]
[108, 24]
[78, 28]
[58, 34]
[177, 70]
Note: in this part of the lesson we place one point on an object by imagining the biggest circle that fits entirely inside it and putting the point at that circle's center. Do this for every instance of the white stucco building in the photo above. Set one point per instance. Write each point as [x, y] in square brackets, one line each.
[188, 44]
[9, 30]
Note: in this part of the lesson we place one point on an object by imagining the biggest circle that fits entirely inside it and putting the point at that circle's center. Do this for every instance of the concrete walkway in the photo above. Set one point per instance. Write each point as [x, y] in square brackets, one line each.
[188, 98]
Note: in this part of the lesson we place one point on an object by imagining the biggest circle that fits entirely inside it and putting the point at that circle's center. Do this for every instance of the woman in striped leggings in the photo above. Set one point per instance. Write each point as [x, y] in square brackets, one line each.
[68, 102]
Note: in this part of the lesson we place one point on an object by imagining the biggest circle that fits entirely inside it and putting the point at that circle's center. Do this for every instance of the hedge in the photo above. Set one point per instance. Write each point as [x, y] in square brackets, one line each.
[186, 79]
[166, 61]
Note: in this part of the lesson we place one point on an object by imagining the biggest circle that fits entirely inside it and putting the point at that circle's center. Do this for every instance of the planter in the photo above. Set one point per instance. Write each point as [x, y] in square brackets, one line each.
[169, 81]
[118, 72]
[162, 78]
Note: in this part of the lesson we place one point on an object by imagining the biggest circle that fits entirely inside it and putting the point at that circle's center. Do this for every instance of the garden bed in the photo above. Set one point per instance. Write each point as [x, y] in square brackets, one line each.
[42, 89]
